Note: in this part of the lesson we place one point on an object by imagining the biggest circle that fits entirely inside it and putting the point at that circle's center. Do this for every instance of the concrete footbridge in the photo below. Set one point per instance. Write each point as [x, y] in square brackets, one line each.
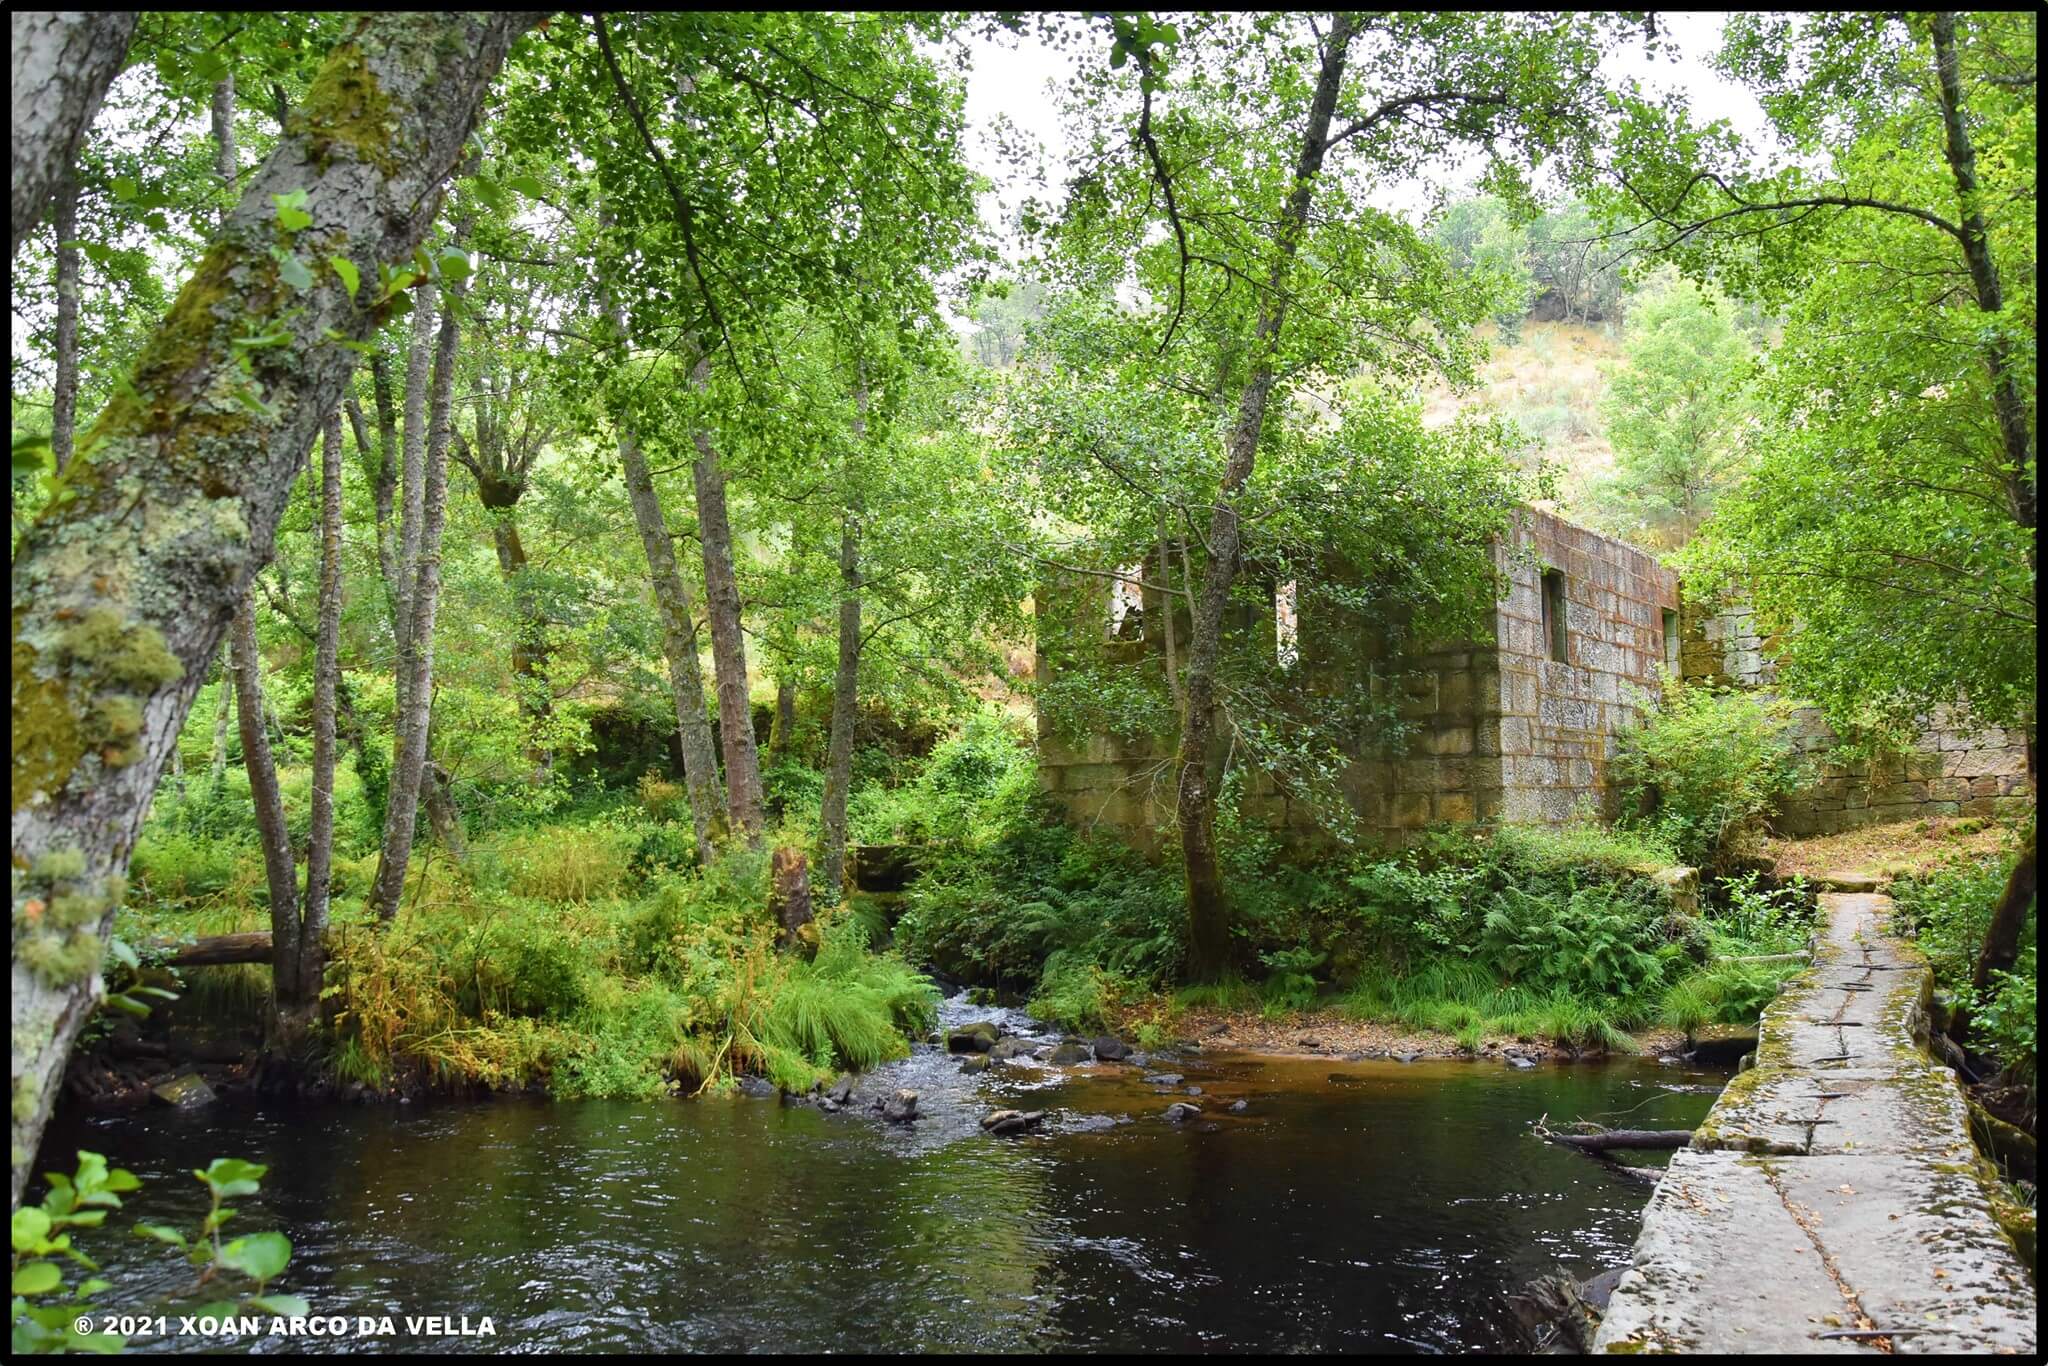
[1833, 1200]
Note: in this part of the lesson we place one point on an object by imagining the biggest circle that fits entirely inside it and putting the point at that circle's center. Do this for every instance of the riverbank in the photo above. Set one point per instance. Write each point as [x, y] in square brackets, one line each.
[1333, 1034]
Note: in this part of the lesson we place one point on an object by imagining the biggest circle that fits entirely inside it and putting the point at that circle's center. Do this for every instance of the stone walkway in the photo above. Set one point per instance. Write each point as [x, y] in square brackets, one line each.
[1833, 1193]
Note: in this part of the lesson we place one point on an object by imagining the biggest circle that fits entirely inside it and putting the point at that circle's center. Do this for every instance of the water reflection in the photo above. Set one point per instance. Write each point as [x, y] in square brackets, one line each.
[1351, 1207]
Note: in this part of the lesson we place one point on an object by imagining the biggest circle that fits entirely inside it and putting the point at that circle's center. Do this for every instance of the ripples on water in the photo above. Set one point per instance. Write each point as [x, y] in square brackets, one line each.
[1389, 1213]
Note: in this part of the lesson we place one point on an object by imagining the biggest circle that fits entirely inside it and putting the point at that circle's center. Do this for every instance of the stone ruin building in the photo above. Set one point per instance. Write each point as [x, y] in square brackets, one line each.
[1516, 725]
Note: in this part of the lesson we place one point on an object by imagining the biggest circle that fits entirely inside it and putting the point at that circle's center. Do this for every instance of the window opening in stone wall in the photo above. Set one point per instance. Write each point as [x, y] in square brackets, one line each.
[1286, 625]
[1671, 642]
[1127, 605]
[1553, 613]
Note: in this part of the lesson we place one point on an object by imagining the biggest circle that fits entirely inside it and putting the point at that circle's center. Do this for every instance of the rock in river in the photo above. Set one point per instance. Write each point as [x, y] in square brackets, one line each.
[900, 1108]
[1182, 1111]
[1012, 1121]
[978, 1037]
[1006, 1049]
[1071, 1050]
[842, 1090]
[975, 1062]
[1108, 1049]
[187, 1091]
[1163, 1078]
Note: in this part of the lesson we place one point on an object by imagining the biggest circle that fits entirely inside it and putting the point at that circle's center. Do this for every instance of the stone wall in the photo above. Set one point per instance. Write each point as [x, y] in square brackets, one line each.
[1558, 720]
[1501, 730]
[1955, 767]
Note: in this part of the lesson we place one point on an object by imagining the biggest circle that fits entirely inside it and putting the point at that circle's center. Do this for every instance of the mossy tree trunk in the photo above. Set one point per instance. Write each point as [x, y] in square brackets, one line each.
[279, 871]
[64, 394]
[124, 586]
[1208, 910]
[63, 63]
[302, 1001]
[421, 595]
[728, 647]
[679, 643]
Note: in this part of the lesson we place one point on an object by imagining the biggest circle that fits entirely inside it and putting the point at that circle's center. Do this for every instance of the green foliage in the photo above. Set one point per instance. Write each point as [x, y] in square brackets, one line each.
[1676, 413]
[972, 786]
[45, 1307]
[1948, 911]
[1075, 994]
[1724, 993]
[1752, 920]
[1706, 767]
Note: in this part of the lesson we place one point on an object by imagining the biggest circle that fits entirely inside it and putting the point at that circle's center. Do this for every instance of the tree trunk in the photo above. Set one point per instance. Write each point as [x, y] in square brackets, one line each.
[728, 648]
[64, 397]
[413, 489]
[2015, 433]
[123, 591]
[1169, 610]
[421, 543]
[381, 466]
[679, 643]
[306, 975]
[529, 641]
[278, 868]
[63, 63]
[217, 757]
[785, 721]
[845, 702]
[225, 163]
[1208, 910]
[444, 818]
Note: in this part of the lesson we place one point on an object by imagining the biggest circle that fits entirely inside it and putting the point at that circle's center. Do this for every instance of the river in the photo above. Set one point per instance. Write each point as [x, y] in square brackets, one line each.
[1367, 1206]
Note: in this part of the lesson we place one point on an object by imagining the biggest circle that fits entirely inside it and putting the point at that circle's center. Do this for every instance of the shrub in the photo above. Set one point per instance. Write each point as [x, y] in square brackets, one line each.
[565, 862]
[1706, 767]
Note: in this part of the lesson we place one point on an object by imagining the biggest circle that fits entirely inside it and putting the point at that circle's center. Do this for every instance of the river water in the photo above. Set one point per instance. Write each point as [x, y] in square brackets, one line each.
[1368, 1206]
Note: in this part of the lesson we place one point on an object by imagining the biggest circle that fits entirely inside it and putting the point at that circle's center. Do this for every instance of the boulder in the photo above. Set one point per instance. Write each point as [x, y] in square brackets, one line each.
[1110, 1049]
[1163, 1078]
[1006, 1049]
[1238, 1107]
[842, 1090]
[1404, 1057]
[1181, 1111]
[1071, 1050]
[757, 1088]
[1518, 1061]
[1012, 1121]
[1194, 1090]
[978, 1037]
[975, 1062]
[187, 1091]
[900, 1108]
[1308, 1041]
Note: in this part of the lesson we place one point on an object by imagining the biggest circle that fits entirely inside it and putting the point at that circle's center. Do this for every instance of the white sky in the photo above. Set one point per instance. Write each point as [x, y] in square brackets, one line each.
[1018, 78]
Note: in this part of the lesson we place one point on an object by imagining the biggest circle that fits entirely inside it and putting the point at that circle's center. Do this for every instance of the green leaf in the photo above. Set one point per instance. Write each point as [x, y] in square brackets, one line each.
[31, 1226]
[106, 1344]
[163, 1233]
[37, 1278]
[286, 1306]
[258, 1256]
[209, 66]
[125, 188]
[454, 263]
[351, 278]
[293, 272]
[128, 1005]
[219, 1309]
[528, 186]
[225, 1169]
[290, 215]
[123, 952]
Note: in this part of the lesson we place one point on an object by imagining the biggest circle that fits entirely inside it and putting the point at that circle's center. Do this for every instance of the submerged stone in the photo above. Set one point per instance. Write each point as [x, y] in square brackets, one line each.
[188, 1091]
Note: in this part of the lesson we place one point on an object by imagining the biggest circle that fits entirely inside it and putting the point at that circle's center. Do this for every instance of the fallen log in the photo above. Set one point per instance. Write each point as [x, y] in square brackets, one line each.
[1609, 1140]
[215, 950]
